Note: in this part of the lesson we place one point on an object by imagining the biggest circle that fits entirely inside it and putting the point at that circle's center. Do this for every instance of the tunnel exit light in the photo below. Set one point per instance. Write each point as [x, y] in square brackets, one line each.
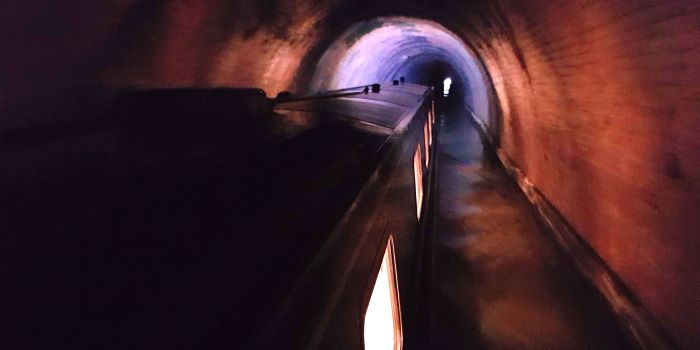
[446, 85]
[383, 329]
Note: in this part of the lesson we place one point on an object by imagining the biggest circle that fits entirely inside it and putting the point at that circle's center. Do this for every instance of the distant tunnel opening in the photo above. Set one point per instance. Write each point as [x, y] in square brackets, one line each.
[422, 51]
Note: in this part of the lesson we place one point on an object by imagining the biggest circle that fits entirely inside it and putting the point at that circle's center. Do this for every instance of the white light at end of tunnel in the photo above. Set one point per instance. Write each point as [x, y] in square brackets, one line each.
[446, 85]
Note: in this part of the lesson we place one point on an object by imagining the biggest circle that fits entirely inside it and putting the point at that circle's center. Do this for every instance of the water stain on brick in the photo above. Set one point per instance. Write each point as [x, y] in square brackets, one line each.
[362, 30]
[672, 166]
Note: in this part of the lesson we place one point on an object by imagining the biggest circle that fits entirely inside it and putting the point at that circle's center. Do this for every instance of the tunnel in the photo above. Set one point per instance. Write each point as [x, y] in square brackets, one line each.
[579, 118]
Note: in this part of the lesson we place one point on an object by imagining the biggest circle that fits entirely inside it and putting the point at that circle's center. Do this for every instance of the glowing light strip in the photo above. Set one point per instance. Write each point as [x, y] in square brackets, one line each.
[426, 142]
[383, 328]
[418, 175]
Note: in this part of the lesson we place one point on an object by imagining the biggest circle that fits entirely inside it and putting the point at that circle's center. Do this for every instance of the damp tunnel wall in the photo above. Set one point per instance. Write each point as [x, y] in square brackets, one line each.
[599, 102]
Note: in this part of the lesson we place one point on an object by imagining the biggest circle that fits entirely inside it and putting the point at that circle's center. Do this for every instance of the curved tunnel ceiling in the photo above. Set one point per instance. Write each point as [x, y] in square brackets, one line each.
[387, 48]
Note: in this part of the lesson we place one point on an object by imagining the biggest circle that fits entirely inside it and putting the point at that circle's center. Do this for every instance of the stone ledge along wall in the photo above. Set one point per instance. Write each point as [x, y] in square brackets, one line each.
[601, 112]
[599, 99]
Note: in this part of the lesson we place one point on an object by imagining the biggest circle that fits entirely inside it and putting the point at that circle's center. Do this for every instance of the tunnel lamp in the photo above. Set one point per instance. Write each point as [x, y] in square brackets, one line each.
[383, 329]
[446, 84]
[418, 175]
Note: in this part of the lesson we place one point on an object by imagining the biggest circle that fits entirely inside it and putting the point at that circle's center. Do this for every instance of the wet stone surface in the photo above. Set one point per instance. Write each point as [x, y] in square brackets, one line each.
[498, 280]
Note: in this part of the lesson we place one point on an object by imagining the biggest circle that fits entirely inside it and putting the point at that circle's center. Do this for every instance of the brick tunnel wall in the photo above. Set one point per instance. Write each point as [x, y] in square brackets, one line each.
[601, 111]
[599, 98]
